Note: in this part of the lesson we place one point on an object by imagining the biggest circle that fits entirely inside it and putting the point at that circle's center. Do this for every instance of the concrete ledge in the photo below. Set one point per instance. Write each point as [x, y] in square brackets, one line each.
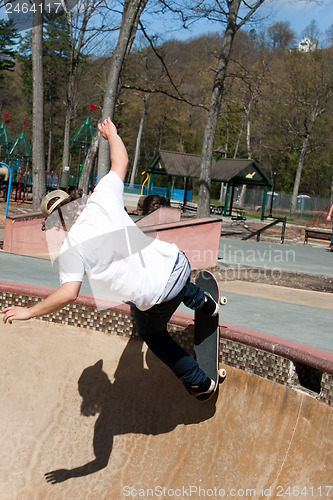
[23, 235]
[298, 353]
[83, 299]
[163, 215]
[199, 239]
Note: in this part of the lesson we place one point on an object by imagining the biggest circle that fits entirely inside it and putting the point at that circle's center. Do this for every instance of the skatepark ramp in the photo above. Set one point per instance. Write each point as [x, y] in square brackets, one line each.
[87, 414]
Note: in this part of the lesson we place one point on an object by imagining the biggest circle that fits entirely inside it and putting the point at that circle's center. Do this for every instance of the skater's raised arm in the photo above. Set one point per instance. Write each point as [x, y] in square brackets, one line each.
[118, 153]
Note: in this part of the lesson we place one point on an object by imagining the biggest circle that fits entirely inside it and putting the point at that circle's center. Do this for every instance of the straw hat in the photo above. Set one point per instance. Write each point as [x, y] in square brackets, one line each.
[47, 206]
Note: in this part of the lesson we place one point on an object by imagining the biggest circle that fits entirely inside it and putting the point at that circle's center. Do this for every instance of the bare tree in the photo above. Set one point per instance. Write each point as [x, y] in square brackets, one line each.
[139, 137]
[309, 91]
[130, 19]
[80, 35]
[144, 67]
[227, 12]
[281, 35]
[88, 163]
[38, 148]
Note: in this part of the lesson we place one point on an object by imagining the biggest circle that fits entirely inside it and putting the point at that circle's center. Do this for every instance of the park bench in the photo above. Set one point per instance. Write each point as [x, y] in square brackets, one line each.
[189, 207]
[216, 209]
[316, 234]
[238, 218]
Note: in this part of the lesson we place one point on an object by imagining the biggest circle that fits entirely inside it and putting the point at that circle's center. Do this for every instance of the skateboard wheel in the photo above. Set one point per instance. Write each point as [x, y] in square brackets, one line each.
[222, 373]
[223, 301]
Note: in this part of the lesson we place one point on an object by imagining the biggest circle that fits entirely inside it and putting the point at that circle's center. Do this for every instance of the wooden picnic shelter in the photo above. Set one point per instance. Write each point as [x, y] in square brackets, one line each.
[231, 171]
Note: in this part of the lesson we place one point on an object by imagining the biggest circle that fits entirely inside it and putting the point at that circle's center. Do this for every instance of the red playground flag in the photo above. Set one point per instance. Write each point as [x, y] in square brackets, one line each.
[92, 106]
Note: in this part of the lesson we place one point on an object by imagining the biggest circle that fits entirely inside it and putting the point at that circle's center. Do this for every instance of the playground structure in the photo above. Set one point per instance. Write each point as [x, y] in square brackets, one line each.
[6, 172]
[18, 157]
[5, 141]
[78, 146]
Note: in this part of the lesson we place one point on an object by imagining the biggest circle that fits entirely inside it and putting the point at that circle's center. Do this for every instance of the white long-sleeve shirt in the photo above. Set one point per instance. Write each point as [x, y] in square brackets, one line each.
[109, 247]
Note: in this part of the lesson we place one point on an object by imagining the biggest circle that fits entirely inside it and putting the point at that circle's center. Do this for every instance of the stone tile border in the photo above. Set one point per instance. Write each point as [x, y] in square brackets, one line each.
[294, 365]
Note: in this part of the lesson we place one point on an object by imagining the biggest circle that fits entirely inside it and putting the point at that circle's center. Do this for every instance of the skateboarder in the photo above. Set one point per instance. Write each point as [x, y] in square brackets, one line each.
[329, 219]
[106, 244]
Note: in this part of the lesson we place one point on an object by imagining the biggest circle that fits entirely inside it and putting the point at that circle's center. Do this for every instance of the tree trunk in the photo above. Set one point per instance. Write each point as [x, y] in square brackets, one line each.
[138, 139]
[78, 38]
[69, 111]
[299, 174]
[88, 163]
[49, 148]
[314, 114]
[214, 110]
[248, 145]
[247, 111]
[131, 15]
[239, 137]
[38, 148]
[67, 133]
[50, 141]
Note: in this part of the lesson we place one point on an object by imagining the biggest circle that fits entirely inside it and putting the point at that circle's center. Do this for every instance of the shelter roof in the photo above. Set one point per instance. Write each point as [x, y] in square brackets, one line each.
[244, 171]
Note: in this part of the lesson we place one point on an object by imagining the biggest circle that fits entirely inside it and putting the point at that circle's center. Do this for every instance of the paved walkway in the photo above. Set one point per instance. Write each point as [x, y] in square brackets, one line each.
[274, 257]
[299, 315]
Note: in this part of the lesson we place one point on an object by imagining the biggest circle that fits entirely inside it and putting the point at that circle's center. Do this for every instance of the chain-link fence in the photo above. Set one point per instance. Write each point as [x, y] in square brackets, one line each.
[305, 203]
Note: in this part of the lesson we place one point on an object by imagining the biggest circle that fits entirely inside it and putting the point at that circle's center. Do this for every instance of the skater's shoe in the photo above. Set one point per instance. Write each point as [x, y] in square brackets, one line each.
[205, 387]
[330, 248]
[210, 307]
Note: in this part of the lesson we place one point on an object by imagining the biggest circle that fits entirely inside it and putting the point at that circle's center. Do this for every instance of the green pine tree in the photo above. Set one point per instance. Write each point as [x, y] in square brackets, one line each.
[8, 38]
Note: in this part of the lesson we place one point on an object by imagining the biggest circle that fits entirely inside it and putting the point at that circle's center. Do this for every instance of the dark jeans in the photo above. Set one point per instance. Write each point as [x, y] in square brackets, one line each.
[152, 328]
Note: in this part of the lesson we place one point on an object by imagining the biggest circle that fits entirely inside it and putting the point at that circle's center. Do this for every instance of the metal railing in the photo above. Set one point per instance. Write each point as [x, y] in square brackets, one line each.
[257, 233]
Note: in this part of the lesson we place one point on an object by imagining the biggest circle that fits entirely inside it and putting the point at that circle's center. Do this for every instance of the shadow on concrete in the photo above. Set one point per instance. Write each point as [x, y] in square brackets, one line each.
[139, 400]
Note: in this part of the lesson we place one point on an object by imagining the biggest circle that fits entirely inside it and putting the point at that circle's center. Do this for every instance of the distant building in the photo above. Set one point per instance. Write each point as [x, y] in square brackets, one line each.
[307, 45]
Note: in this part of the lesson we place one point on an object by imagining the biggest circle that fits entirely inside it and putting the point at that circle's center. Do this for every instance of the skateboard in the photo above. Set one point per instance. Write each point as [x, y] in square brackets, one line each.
[207, 334]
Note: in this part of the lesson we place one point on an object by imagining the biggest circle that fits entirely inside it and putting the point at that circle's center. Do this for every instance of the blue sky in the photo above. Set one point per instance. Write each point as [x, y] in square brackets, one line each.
[299, 13]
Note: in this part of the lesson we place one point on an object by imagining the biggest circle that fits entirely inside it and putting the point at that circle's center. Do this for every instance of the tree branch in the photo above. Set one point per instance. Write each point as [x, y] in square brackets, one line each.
[160, 58]
[250, 13]
[164, 92]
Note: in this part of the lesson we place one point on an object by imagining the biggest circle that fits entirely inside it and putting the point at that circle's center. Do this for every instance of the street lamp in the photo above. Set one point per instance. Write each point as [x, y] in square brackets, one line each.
[272, 195]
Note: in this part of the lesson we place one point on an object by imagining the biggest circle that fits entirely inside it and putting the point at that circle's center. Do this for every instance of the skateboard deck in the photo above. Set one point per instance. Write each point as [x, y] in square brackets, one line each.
[207, 334]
